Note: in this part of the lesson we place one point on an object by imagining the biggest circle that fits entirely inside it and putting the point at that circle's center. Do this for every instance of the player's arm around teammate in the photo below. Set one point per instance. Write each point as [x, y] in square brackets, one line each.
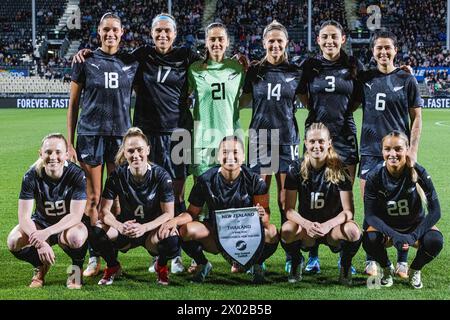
[391, 101]
[325, 211]
[394, 213]
[106, 80]
[146, 200]
[328, 92]
[58, 190]
[229, 186]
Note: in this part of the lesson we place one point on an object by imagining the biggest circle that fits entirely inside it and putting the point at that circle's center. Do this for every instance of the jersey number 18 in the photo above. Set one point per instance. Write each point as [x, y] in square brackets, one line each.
[111, 80]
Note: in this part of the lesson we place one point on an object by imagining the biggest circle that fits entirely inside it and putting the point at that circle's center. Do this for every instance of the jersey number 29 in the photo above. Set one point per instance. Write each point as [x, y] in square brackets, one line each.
[54, 209]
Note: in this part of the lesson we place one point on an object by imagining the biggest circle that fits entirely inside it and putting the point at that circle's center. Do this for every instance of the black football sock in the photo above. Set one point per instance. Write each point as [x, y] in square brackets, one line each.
[373, 244]
[28, 254]
[168, 249]
[194, 249]
[430, 246]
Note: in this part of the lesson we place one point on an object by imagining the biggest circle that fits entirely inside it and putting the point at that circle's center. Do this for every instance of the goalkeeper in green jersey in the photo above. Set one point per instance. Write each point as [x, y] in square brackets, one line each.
[216, 83]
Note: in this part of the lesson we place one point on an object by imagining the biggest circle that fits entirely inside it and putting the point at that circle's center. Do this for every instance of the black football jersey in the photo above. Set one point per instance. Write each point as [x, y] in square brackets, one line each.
[218, 194]
[107, 85]
[396, 200]
[162, 89]
[318, 200]
[386, 102]
[139, 200]
[331, 92]
[274, 89]
[52, 197]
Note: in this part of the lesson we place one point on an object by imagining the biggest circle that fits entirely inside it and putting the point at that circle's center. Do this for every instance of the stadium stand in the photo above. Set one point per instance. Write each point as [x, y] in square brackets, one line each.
[420, 25]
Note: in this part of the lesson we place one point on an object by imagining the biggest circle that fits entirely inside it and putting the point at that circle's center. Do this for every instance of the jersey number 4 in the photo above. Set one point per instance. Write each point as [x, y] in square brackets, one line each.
[139, 212]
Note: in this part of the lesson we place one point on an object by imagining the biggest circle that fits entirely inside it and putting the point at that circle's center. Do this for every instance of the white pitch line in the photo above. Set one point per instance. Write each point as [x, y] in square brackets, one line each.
[442, 124]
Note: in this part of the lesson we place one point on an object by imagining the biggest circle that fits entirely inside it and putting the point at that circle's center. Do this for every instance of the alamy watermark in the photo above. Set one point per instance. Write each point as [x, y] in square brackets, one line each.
[263, 147]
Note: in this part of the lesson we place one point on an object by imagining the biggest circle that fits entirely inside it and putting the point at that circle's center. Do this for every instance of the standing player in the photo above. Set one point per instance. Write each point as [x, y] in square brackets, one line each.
[229, 186]
[106, 80]
[272, 85]
[216, 83]
[58, 188]
[391, 98]
[161, 110]
[146, 201]
[325, 210]
[328, 91]
[394, 213]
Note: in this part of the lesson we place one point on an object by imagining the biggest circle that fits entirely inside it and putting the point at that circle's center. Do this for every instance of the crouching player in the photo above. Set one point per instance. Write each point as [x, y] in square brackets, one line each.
[393, 206]
[231, 185]
[325, 211]
[58, 189]
[146, 201]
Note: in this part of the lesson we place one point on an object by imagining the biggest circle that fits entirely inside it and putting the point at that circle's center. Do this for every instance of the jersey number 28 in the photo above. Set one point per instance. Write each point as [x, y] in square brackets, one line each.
[399, 208]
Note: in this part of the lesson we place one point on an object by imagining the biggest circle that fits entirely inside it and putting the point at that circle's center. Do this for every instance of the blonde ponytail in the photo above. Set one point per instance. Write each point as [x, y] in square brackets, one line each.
[334, 169]
[132, 132]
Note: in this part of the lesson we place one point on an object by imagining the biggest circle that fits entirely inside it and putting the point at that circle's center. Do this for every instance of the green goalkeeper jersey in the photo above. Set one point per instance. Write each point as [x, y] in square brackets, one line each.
[217, 87]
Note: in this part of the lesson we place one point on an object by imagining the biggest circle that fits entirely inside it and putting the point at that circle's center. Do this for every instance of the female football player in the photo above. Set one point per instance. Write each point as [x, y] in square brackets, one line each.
[216, 83]
[229, 186]
[391, 99]
[325, 210]
[146, 199]
[394, 198]
[58, 190]
[161, 110]
[328, 92]
[272, 85]
[106, 79]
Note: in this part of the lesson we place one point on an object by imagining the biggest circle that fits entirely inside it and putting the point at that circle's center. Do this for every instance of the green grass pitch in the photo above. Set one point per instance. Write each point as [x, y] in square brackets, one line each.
[20, 135]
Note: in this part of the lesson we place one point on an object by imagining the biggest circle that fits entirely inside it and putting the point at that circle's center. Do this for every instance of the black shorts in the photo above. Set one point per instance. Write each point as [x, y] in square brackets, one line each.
[347, 149]
[96, 150]
[323, 240]
[368, 163]
[161, 148]
[123, 241]
[260, 158]
[54, 238]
